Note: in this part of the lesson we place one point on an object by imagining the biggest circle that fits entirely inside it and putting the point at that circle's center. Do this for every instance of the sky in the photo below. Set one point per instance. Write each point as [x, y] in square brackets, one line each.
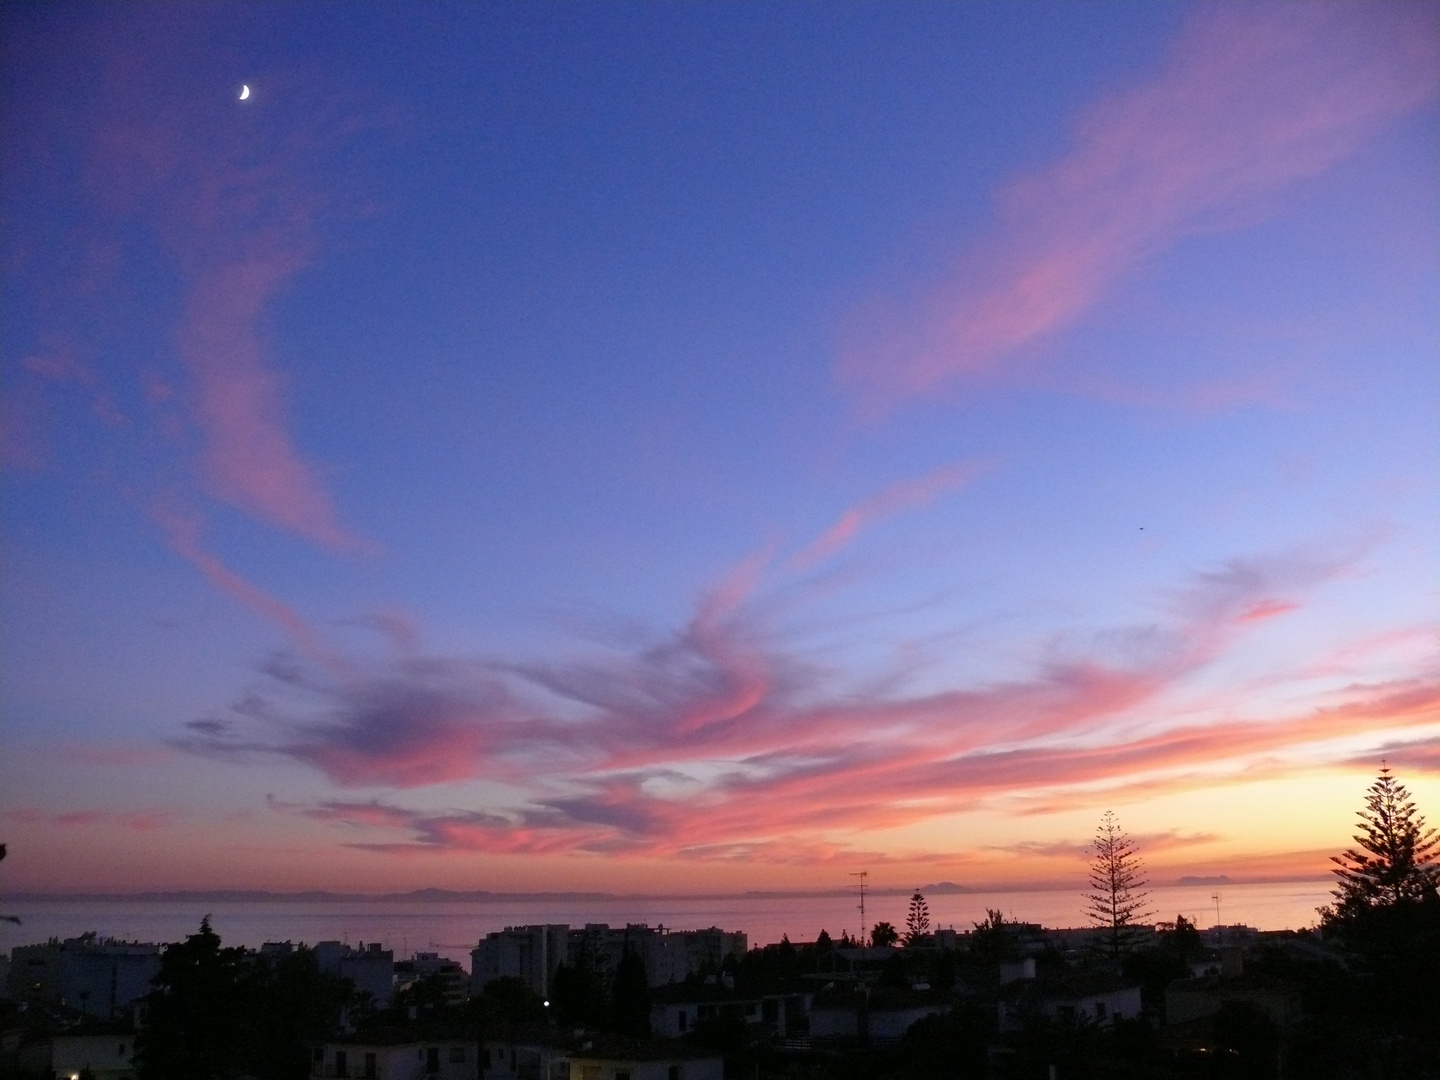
[709, 447]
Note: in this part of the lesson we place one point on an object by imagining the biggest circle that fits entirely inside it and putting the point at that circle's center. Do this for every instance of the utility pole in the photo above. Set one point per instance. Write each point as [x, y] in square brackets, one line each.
[862, 875]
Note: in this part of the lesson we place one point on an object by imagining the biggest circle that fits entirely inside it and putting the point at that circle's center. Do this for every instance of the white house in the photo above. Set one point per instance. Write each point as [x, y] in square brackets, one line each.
[107, 1055]
[399, 1057]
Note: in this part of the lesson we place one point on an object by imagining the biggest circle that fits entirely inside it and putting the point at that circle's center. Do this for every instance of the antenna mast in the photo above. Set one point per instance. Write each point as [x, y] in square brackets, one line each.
[862, 875]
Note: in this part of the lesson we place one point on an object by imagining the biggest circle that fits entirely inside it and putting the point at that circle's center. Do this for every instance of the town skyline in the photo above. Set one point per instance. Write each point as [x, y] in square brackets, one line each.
[684, 450]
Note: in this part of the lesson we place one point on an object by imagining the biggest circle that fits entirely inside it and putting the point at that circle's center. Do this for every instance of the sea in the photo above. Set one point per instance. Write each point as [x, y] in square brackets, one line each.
[452, 928]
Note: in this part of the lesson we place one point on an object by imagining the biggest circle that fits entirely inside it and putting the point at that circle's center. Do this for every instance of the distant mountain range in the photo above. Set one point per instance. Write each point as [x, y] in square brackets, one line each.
[448, 896]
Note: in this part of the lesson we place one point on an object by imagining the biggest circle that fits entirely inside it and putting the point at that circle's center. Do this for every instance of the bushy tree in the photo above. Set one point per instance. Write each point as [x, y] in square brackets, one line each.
[1396, 861]
[917, 921]
[195, 1016]
[993, 941]
[1117, 878]
[630, 997]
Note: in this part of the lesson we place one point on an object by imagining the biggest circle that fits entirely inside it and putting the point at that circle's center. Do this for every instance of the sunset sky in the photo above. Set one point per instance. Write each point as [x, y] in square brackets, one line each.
[708, 447]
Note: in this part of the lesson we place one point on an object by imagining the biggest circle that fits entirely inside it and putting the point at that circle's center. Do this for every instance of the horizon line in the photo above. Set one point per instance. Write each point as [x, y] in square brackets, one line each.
[437, 895]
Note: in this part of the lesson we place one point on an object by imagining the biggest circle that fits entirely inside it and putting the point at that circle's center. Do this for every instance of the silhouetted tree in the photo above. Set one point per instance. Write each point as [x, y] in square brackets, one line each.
[195, 1016]
[1250, 1035]
[288, 1003]
[895, 972]
[630, 997]
[1396, 860]
[883, 934]
[1387, 918]
[917, 920]
[1116, 876]
[507, 1003]
[992, 942]
[951, 1044]
[1181, 938]
[578, 991]
[7, 918]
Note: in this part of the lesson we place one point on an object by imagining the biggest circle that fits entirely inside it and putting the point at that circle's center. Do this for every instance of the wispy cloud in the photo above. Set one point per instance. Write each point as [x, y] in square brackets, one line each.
[910, 494]
[182, 531]
[231, 200]
[1410, 755]
[715, 739]
[134, 820]
[1250, 101]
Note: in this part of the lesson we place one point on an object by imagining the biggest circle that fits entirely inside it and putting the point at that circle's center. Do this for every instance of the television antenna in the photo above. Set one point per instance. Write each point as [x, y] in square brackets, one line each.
[862, 875]
[1216, 898]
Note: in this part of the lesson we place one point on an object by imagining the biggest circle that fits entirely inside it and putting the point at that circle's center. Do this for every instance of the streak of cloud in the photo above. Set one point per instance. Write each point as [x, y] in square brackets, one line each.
[134, 820]
[233, 202]
[1251, 101]
[714, 741]
[183, 534]
[909, 494]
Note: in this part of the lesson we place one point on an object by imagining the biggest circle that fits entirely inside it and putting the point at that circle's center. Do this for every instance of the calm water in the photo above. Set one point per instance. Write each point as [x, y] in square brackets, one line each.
[453, 929]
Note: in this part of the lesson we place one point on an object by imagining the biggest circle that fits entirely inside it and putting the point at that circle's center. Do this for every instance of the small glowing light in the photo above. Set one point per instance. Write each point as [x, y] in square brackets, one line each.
[244, 92]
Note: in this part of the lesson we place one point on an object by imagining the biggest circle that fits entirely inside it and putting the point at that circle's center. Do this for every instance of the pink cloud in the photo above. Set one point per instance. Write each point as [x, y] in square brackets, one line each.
[249, 457]
[1251, 100]
[713, 741]
[909, 494]
[183, 534]
[136, 821]
[1268, 609]
[237, 197]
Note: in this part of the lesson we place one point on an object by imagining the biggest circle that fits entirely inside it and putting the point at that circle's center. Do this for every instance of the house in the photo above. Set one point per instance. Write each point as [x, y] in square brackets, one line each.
[1084, 997]
[399, 1055]
[880, 1014]
[597, 1057]
[1187, 1000]
[104, 1052]
[676, 1010]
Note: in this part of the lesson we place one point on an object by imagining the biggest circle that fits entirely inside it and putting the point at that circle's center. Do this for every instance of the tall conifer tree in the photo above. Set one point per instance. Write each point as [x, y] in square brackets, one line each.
[1117, 878]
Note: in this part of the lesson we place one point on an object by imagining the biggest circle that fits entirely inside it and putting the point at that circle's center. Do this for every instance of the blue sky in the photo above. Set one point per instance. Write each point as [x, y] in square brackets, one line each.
[598, 445]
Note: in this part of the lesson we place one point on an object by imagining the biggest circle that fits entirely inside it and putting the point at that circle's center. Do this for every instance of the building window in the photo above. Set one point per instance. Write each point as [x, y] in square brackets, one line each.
[622, 1074]
[457, 1053]
[674, 1073]
[681, 1019]
[1099, 1010]
[342, 1066]
[370, 1065]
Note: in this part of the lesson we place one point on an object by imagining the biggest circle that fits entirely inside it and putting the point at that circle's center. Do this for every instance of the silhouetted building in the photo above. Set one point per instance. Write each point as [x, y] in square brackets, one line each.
[369, 967]
[100, 977]
[532, 953]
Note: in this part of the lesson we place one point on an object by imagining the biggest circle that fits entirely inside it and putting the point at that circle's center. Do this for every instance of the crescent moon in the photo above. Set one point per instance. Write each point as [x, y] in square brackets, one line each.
[244, 92]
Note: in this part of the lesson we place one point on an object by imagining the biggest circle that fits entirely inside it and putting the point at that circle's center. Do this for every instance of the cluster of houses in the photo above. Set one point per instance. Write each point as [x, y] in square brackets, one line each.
[851, 1001]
